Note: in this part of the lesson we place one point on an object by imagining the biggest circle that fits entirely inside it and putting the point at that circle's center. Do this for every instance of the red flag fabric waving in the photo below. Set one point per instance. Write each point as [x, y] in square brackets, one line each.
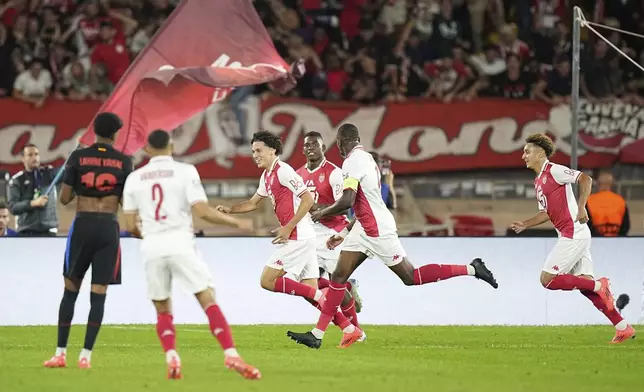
[204, 50]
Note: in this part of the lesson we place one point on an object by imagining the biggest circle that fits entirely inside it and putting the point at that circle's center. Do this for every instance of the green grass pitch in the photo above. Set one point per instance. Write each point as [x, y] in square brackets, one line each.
[394, 358]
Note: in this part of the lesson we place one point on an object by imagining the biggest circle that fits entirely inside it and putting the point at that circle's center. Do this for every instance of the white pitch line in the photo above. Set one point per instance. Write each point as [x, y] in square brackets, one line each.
[136, 328]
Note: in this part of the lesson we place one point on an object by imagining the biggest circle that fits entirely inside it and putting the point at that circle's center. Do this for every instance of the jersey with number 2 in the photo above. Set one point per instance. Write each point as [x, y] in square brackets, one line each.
[97, 171]
[163, 193]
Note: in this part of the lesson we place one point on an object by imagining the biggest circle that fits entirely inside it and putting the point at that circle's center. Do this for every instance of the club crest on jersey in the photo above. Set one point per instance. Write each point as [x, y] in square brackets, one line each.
[322, 177]
[544, 179]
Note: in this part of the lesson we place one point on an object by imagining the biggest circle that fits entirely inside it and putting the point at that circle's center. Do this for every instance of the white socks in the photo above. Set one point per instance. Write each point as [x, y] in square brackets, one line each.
[350, 329]
[621, 325]
[85, 354]
[231, 352]
[61, 351]
[318, 333]
[470, 270]
[170, 355]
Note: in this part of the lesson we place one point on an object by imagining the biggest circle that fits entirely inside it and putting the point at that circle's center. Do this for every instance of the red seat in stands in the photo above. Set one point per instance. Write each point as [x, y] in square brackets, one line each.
[472, 226]
[439, 232]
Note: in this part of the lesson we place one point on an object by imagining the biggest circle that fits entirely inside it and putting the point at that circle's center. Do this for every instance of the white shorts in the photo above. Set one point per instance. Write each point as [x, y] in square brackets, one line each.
[570, 256]
[387, 248]
[327, 258]
[297, 257]
[188, 267]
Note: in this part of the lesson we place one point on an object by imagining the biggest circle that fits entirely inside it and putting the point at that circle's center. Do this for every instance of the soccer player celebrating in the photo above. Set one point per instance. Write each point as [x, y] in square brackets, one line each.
[293, 267]
[324, 180]
[372, 233]
[165, 194]
[569, 265]
[96, 175]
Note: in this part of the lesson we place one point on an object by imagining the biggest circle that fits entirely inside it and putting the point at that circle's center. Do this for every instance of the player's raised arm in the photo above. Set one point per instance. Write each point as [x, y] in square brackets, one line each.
[250, 204]
[204, 211]
[243, 207]
[197, 198]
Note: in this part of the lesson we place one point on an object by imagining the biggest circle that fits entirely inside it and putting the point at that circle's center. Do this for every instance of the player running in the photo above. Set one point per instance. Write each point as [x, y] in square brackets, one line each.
[165, 194]
[293, 267]
[569, 265]
[373, 234]
[95, 174]
[324, 180]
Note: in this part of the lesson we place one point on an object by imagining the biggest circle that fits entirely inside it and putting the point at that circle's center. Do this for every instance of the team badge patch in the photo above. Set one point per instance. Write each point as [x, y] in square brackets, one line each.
[322, 177]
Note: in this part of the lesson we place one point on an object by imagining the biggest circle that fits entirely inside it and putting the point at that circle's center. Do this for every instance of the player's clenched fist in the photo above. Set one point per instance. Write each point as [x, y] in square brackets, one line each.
[518, 226]
[334, 241]
[224, 209]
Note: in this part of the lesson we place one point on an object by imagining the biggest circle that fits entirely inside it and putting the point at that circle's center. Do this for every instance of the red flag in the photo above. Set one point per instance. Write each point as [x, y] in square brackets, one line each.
[204, 50]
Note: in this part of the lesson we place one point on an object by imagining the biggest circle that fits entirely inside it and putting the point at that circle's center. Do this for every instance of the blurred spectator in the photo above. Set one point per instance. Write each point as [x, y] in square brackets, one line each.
[555, 89]
[5, 231]
[367, 51]
[111, 52]
[514, 83]
[489, 63]
[607, 211]
[33, 84]
[75, 82]
[595, 81]
[35, 212]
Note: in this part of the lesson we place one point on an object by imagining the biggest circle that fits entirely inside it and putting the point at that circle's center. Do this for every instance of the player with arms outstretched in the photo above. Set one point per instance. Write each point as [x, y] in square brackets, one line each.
[324, 180]
[293, 267]
[569, 265]
[164, 195]
[96, 175]
[373, 233]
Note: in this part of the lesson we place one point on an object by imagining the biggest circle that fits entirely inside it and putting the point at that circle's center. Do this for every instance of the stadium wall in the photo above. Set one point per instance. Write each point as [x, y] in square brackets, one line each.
[32, 285]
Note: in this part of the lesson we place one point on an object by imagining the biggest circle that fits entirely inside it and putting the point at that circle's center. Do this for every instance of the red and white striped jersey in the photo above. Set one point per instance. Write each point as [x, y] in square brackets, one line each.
[361, 173]
[326, 185]
[555, 196]
[284, 187]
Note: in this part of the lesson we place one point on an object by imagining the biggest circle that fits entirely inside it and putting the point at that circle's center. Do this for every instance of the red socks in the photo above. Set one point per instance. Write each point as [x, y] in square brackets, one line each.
[166, 332]
[323, 283]
[571, 282]
[333, 299]
[434, 272]
[613, 315]
[219, 327]
[349, 311]
[289, 286]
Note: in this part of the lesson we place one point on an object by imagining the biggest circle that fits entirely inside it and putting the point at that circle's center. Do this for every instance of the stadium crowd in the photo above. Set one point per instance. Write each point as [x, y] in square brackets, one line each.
[356, 50]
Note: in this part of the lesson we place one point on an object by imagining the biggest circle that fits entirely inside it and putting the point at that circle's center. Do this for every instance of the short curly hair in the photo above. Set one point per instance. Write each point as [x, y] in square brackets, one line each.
[543, 141]
[271, 140]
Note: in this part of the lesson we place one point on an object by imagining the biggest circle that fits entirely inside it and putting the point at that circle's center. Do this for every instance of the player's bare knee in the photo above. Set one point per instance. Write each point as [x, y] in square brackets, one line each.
[206, 298]
[267, 283]
[545, 278]
[99, 288]
[72, 285]
[162, 306]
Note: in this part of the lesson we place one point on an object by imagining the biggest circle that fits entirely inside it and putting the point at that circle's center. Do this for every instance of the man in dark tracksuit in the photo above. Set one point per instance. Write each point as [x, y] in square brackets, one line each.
[34, 211]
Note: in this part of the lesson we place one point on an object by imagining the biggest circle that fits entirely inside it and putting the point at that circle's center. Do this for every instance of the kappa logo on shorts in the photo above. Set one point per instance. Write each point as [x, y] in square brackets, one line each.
[556, 268]
[279, 262]
[396, 257]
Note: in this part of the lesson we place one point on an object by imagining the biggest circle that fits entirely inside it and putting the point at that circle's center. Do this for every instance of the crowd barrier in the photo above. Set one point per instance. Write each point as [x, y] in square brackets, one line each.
[32, 285]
